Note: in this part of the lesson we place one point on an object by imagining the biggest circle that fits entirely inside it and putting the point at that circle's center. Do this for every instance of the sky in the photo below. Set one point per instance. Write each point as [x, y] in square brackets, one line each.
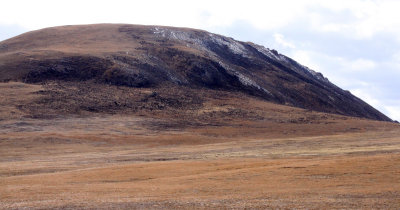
[354, 43]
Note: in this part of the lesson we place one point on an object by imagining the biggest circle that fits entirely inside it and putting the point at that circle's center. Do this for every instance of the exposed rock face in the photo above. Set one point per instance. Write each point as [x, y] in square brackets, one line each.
[153, 56]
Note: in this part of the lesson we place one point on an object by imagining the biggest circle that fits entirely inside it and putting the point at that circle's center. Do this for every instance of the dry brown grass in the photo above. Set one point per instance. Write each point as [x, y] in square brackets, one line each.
[288, 158]
[13, 94]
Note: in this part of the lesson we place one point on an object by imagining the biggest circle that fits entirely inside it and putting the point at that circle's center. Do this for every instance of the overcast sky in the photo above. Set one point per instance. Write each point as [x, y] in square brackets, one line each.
[356, 44]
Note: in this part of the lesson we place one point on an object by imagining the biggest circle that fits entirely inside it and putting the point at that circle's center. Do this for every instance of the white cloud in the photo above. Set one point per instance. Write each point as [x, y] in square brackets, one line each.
[369, 17]
[349, 74]
[342, 64]
[208, 13]
[334, 27]
[359, 64]
[305, 58]
[311, 58]
[280, 40]
[45, 13]
[365, 95]
[394, 112]
[369, 94]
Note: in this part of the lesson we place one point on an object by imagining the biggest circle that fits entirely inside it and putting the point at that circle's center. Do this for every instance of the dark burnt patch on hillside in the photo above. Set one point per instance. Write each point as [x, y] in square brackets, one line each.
[178, 106]
[76, 68]
[79, 98]
[195, 70]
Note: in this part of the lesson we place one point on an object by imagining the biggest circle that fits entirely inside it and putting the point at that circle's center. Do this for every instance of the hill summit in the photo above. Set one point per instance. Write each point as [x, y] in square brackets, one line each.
[164, 57]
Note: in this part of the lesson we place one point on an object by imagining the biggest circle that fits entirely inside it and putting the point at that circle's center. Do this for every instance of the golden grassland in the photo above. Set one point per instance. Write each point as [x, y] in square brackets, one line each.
[128, 161]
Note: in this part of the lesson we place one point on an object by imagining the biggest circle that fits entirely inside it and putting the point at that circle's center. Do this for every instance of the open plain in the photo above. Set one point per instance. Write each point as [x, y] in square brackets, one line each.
[217, 154]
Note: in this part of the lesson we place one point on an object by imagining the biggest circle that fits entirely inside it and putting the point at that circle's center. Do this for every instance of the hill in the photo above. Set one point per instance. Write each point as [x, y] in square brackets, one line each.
[148, 117]
[171, 58]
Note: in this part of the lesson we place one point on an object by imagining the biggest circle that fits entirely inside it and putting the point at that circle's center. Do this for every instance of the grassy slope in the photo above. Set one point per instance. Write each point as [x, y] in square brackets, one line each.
[213, 156]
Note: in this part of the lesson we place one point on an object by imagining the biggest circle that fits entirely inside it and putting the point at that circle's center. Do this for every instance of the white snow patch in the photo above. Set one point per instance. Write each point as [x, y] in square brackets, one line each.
[283, 59]
[235, 46]
[243, 79]
[269, 53]
[186, 36]
[195, 42]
